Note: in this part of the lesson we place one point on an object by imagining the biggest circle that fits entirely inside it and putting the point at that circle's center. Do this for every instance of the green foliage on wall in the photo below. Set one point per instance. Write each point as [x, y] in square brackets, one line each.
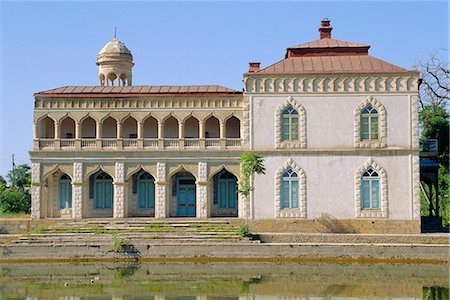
[251, 163]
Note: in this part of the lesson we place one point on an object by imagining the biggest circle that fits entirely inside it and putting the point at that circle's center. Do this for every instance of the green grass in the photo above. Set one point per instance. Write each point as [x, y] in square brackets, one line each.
[15, 216]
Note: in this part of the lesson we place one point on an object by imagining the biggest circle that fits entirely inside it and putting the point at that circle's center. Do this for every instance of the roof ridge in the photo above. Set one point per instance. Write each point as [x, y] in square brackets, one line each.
[327, 41]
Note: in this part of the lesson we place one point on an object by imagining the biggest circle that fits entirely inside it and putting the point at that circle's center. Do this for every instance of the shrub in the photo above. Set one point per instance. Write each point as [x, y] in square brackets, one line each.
[244, 231]
[119, 243]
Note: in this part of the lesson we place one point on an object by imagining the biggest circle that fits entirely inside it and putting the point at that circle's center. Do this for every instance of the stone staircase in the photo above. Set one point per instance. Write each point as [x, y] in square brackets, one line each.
[132, 231]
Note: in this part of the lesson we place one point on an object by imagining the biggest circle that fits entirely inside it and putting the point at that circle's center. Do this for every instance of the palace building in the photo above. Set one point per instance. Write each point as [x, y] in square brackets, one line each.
[338, 130]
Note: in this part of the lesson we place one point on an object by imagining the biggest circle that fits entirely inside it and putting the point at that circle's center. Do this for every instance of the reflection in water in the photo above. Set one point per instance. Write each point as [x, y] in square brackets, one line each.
[436, 293]
[222, 281]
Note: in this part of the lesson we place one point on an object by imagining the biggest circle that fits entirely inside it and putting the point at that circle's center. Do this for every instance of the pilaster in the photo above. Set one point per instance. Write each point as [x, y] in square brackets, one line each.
[160, 191]
[36, 193]
[77, 190]
[119, 191]
[202, 191]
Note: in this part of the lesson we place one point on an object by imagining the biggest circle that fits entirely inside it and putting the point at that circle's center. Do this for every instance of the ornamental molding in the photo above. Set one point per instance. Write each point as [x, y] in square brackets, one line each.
[382, 212]
[382, 126]
[136, 103]
[330, 83]
[301, 143]
[299, 212]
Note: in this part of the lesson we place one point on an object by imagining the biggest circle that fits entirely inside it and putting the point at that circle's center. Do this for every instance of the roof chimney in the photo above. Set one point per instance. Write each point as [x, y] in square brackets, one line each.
[253, 67]
[325, 29]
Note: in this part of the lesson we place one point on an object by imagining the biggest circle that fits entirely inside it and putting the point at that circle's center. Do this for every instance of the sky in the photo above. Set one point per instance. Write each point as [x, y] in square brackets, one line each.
[44, 45]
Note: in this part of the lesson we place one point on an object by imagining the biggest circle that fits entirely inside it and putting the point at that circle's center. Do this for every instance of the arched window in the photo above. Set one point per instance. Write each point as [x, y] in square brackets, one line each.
[103, 191]
[64, 192]
[289, 124]
[370, 189]
[145, 190]
[369, 123]
[289, 189]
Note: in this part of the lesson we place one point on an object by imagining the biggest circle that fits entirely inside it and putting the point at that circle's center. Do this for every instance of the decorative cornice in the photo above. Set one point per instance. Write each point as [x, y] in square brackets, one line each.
[330, 83]
[137, 103]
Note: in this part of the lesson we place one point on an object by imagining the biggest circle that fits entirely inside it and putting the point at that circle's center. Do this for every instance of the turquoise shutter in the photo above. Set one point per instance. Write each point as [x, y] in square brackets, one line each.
[142, 193]
[364, 128]
[375, 193]
[61, 195]
[294, 129]
[374, 128]
[222, 194]
[285, 129]
[294, 186]
[98, 192]
[108, 193]
[284, 194]
[365, 193]
[231, 194]
[151, 194]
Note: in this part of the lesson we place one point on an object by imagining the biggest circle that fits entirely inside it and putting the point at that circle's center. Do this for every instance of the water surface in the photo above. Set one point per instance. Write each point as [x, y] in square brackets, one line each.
[226, 281]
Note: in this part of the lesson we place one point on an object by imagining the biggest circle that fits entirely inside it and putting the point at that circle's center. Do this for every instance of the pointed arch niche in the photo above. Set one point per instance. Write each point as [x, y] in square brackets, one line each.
[300, 142]
[381, 142]
[382, 211]
[299, 212]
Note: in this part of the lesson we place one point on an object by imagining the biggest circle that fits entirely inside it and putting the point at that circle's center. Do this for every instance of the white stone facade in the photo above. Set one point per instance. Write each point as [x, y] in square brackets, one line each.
[193, 133]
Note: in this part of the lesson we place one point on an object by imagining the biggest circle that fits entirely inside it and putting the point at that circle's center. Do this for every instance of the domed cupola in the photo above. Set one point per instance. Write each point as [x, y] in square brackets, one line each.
[115, 62]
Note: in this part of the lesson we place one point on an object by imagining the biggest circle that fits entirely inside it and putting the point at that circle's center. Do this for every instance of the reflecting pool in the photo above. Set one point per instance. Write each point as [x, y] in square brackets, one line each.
[224, 280]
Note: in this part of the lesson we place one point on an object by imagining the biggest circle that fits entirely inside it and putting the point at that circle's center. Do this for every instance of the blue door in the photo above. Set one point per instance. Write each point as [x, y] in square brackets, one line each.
[146, 191]
[103, 191]
[186, 197]
[227, 186]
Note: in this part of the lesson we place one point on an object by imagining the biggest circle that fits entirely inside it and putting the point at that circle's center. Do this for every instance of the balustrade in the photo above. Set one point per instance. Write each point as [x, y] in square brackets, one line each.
[150, 143]
[192, 143]
[171, 143]
[67, 143]
[147, 143]
[88, 143]
[130, 143]
[233, 143]
[109, 143]
[212, 143]
[46, 143]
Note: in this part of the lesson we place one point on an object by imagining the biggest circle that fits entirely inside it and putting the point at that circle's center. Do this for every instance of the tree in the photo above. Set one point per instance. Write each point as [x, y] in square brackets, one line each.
[251, 163]
[16, 198]
[434, 96]
[20, 177]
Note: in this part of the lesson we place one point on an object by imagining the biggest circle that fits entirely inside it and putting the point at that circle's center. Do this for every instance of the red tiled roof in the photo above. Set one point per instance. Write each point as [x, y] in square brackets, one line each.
[133, 91]
[331, 64]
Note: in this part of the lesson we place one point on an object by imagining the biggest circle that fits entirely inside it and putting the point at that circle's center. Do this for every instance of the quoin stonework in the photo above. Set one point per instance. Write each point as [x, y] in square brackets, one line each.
[338, 130]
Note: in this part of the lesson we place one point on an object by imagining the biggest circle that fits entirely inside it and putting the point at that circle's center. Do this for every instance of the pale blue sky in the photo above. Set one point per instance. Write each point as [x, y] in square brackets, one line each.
[45, 45]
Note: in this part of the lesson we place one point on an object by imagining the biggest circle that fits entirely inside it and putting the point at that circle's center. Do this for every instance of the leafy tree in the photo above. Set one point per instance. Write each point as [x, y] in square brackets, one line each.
[20, 177]
[14, 201]
[434, 95]
[2, 181]
[251, 163]
[16, 198]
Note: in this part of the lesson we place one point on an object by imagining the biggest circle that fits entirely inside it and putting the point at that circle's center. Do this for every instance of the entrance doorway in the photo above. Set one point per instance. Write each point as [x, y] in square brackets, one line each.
[186, 206]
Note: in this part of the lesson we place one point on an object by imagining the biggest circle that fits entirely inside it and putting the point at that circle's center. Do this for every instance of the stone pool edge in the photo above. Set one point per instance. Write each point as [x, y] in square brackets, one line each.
[208, 252]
